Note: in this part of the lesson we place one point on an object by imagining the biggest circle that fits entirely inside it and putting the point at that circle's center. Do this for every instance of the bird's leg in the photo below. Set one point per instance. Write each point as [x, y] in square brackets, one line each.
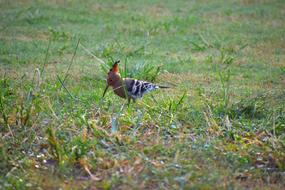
[129, 101]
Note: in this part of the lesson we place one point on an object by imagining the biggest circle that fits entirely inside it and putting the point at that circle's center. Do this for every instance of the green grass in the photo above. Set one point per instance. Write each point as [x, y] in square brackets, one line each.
[220, 126]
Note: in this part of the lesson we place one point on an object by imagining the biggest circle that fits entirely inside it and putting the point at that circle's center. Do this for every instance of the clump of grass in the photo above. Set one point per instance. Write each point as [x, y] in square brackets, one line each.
[5, 93]
[146, 72]
[224, 73]
[56, 148]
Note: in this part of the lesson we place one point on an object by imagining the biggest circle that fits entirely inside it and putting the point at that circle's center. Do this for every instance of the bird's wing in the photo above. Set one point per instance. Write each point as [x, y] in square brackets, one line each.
[137, 88]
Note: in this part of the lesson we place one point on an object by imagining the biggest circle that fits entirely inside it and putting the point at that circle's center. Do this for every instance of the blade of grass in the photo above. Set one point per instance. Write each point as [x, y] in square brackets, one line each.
[94, 56]
[69, 66]
[205, 41]
[46, 57]
[62, 84]
[125, 67]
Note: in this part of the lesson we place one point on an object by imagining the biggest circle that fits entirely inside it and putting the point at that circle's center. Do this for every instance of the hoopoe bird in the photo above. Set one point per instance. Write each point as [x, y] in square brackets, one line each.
[128, 88]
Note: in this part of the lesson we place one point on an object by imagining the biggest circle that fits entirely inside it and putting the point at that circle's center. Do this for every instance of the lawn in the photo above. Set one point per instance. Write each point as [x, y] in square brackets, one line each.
[220, 125]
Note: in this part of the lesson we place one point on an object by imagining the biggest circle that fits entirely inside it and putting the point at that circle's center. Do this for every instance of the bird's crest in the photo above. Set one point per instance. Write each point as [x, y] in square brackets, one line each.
[115, 67]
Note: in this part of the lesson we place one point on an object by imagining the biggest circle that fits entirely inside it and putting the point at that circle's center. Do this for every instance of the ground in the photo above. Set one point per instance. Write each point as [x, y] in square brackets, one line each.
[220, 125]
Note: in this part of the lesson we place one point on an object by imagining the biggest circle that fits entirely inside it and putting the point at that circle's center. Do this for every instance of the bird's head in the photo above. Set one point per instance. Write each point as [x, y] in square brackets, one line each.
[113, 76]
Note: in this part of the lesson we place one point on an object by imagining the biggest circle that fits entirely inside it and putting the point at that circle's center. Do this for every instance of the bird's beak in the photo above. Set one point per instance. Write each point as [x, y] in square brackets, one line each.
[105, 90]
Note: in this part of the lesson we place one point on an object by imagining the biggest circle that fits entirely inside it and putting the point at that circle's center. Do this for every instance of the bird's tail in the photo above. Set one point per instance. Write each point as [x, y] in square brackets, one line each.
[161, 86]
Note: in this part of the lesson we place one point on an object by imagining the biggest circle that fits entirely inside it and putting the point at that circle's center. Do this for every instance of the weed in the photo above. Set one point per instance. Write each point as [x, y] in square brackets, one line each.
[225, 75]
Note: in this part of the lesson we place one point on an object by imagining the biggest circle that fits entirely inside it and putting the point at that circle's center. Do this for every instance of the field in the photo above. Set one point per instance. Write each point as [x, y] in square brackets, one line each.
[220, 125]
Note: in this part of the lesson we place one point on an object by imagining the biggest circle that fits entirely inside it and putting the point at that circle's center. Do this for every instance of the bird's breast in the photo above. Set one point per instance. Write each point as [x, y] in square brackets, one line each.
[120, 91]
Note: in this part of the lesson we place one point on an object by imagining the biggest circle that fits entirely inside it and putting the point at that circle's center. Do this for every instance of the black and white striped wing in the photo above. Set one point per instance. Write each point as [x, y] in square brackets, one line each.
[138, 88]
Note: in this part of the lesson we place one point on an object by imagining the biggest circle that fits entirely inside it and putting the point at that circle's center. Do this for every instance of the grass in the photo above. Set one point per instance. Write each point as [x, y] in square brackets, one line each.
[220, 126]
